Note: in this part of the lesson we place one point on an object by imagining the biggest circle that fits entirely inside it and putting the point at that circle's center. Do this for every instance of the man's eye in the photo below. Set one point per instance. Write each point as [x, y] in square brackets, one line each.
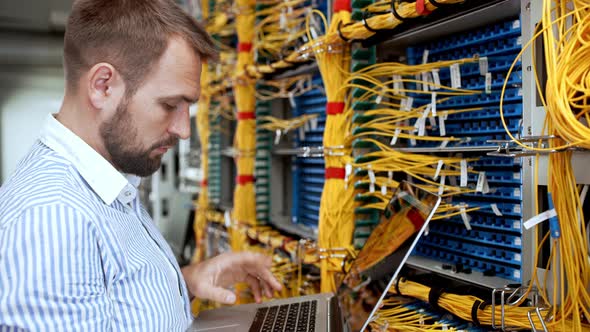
[169, 107]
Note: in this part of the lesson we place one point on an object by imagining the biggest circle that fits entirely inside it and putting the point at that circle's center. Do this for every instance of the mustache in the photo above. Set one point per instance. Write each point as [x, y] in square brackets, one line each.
[171, 141]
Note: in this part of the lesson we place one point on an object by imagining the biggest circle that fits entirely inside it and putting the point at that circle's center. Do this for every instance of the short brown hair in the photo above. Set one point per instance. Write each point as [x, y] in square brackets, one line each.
[131, 35]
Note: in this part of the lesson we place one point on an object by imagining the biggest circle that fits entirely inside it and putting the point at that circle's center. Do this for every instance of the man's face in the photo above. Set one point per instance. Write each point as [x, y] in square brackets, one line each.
[147, 124]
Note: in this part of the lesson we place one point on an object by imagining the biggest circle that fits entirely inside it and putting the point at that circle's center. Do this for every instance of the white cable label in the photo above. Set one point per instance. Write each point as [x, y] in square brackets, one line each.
[384, 190]
[444, 144]
[432, 121]
[583, 194]
[372, 187]
[412, 141]
[397, 84]
[433, 103]
[436, 79]
[455, 76]
[438, 169]
[441, 186]
[306, 126]
[425, 56]
[292, 100]
[409, 103]
[301, 134]
[483, 65]
[496, 210]
[372, 176]
[482, 183]
[421, 126]
[540, 218]
[488, 83]
[463, 173]
[278, 134]
[426, 79]
[227, 218]
[418, 84]
[379, 98]
[441, 125]
[395, 136]
[390, 175]
[466, 218]
[314, 123]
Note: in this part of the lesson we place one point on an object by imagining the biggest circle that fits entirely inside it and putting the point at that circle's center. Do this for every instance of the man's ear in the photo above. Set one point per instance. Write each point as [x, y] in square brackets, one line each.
[105, 86]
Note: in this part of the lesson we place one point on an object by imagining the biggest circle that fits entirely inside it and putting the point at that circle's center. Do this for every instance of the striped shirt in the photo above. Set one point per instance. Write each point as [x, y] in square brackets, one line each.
[78, 252]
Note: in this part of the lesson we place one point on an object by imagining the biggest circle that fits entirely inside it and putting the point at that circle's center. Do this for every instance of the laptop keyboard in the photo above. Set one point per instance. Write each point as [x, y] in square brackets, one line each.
[295, 317]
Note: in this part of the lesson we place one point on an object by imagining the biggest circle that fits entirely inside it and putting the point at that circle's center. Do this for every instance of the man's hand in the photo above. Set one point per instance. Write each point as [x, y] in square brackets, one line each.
[211, 278]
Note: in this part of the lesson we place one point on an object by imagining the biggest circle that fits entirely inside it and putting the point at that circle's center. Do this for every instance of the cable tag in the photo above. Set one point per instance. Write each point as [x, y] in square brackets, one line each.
[425, 56]
[436, 79]
[292, 100]
[306, 126]
[441, 186]
[422, 127]
[371, 187]
[488, 83]
[463, 173]
[438, 169]
[539, 218]
[583, 194]
[483, 65]
[395, 136]
[412, 141]
[384, 190]
[433, 103]
[347, 174]
[283, 21]
[278, 134]
[397, 84]
[441, 124]
[409, 104]
[455, 76]
[466, 218]
[482, 183]
[301, 134]
[425, 79]
[314, 123]
[418, 84]
[432, 121]
[496, 210]
[372, 176]
[444, 144]
[227, 218]
[379, 98]
[390, 175]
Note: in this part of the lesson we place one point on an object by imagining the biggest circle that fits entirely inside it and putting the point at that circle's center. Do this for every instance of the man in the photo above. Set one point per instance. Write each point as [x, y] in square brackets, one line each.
[77, 249]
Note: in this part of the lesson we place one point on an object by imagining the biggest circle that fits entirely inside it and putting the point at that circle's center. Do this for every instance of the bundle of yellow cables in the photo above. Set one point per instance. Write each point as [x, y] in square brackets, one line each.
[349, 31]
[336, 220]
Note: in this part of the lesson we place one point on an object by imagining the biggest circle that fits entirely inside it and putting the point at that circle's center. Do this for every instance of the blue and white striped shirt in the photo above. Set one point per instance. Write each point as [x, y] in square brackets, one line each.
[78, 252]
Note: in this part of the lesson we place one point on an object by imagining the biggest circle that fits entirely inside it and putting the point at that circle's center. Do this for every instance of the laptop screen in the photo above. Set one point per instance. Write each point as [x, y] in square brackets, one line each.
[384, 253]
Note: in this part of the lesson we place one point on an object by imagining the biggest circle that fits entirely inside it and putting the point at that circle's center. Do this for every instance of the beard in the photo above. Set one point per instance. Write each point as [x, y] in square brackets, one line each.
[128, 155]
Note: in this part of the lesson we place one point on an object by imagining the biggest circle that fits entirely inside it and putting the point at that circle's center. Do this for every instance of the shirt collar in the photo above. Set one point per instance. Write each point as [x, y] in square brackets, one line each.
[108, 183]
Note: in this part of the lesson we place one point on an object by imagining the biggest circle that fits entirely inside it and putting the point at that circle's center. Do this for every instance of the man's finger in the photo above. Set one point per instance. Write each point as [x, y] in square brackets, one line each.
[255, 286]
[218, 294]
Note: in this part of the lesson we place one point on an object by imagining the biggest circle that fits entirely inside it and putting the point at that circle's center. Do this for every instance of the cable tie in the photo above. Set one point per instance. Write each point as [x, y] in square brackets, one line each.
[394, 11]
[433, 296]
[397, 286]
[366, 24]
[340, 32]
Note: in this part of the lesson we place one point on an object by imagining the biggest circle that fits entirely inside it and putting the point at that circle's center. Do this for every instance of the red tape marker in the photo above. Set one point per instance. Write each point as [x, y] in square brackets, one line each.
[333, 108]
[244, 179]
[335, 173]
[246, 116]
[341, 5]
[421, 8]
[244, 47]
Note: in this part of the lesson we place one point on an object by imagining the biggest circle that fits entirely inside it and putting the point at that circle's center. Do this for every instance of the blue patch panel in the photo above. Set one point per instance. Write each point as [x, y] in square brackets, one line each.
[478, 263]
[498, 32]
[494, 243]
[308, 173]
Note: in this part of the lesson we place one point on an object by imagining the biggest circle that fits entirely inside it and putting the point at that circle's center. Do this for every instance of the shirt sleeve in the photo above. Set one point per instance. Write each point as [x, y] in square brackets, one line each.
[51, 273]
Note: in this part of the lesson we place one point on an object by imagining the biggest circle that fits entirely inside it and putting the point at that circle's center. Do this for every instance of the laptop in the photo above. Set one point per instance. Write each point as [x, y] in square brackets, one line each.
[363, 288]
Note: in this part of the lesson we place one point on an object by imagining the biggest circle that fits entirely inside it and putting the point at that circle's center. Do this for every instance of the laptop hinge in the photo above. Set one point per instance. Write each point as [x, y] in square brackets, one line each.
[334, 315]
